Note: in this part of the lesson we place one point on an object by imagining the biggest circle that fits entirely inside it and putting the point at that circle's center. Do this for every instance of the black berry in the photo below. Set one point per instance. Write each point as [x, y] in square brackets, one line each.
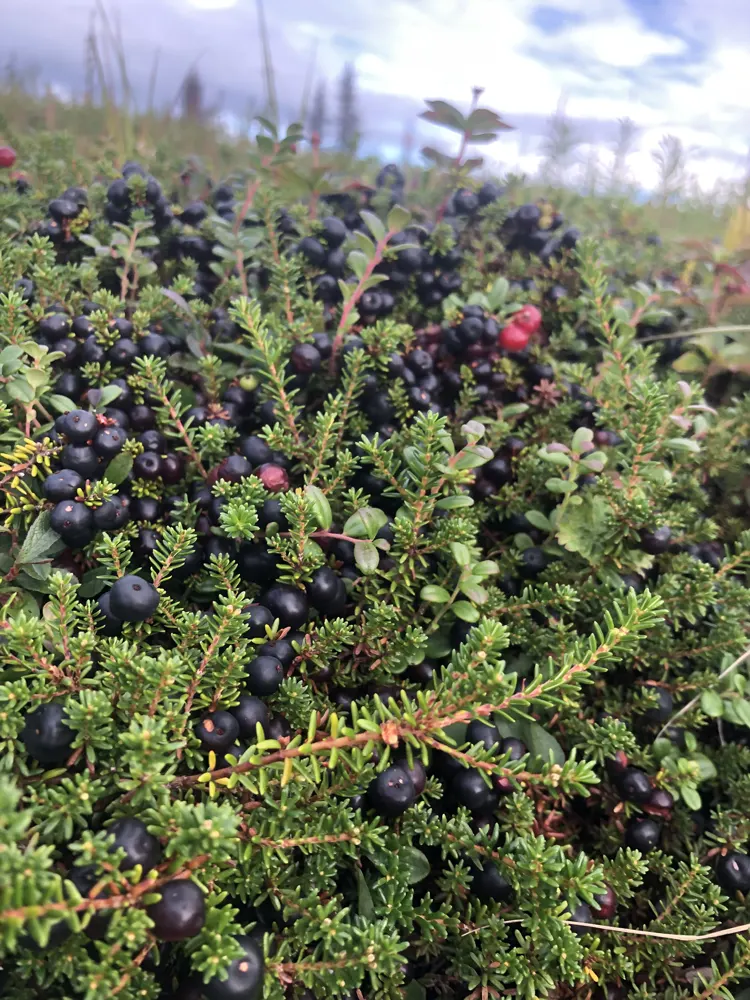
[656, 542]
[470, 789]
[484, 733]
[77, 425]
[634, 785]
[81, 458]
[46, 736]
[109, 441]
[392, 791]
[283, 649]
[244, 979]
[249, 712]
[288, 604]
[642, 834]
[257, 618]
[733, 872]
[605, 905]
[533, 562]
[62, 485]
[133, 599]
[264, 675]
[490, 886]
[217, 730]
[180, 913]
[326, 591]
[74, 523]
[140, 847]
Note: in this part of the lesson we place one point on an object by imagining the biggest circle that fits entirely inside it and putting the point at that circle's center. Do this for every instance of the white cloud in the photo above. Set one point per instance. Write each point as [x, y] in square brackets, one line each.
[443, 48]
[617, 40]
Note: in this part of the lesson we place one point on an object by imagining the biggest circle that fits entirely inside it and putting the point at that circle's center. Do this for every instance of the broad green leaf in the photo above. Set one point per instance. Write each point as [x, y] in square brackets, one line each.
[689, 362]
[374, 223]
[398, 218]
[556, 485]
[472, 457]
[21, 602]
[365, 522]
[540, 743]
[37, 378]
[93, 583]
[20, 390]
[498, 293]
[415, 991]
[706, 767]
[358, 262]
[438, 645]
[555, 457]
[320, 506]
[434, 594]
[580, 529]
[39, 542]
[454, 502]
[366, 556]
[60, 403]
[488, 567]
[522, 541]
[711, 704]
[466, 612]
[460, 553]
[364, 243]
[683, 444]
[435, 156]
[691, 797]
[474, 591]
[119, 468]
[539, 520]
[742, 710]
[485, 120]
[416, 863]
[582, 437]
[365, 905]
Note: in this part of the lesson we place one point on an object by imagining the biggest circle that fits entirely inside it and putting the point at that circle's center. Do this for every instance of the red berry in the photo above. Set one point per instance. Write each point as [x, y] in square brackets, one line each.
[605, 905]
[7, 156]
[273, 477]
[529, 319]
[513, 338]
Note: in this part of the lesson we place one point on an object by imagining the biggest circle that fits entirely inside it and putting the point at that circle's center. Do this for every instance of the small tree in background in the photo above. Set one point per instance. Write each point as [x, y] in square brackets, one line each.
[558, 147]
[627, 133]
[670, 158]
[192, 97]
[318, 115]
[348, 137]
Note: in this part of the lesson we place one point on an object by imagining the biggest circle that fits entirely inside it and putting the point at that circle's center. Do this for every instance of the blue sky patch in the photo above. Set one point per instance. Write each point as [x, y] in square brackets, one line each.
[552, 20]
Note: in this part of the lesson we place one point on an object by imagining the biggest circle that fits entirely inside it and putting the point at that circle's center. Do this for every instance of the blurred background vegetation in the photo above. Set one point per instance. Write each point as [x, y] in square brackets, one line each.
[91, 136]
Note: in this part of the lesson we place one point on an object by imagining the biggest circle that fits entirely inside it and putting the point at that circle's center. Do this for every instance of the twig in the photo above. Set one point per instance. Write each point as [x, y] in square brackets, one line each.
[694, 701]
[662, 935]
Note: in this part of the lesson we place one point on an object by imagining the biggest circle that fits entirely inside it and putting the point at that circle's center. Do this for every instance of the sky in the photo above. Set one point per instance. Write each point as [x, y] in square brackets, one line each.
[677, 67]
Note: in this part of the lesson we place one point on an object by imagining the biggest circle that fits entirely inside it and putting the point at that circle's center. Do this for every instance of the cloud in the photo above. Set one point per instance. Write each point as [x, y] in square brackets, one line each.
[676, 66]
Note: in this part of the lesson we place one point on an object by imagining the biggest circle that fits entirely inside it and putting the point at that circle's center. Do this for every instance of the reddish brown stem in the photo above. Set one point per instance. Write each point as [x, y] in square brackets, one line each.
[358, 292]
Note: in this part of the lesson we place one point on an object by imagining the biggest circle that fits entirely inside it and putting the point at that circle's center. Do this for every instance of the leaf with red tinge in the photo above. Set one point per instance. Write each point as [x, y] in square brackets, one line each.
[442, 113]
[483, 137]
[440, 159]
[483, 119]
